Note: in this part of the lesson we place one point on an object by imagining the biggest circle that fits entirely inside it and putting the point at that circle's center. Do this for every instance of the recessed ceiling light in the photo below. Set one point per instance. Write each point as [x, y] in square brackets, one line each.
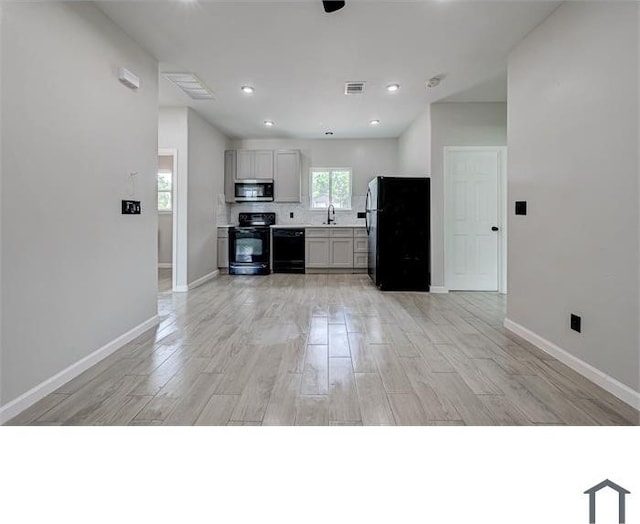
[269, 123]
[433, 82]
[374, 122]
[247, 90]
[393, 87]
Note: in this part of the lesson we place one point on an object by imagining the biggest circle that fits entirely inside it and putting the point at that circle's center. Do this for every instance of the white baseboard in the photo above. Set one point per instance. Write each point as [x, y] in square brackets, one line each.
[204, 279]
[613, 386]
[438, 289]
[165, 265]
[18, 405]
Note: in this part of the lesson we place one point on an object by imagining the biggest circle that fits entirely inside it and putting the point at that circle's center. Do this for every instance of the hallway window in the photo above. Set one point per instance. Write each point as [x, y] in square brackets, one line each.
[165, 184]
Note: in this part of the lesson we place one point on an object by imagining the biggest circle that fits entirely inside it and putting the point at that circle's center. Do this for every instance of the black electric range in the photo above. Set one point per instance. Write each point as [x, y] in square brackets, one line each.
[250, 244]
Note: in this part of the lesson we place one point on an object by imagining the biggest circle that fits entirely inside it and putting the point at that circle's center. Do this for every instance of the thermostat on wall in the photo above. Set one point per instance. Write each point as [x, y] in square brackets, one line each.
[128, 78]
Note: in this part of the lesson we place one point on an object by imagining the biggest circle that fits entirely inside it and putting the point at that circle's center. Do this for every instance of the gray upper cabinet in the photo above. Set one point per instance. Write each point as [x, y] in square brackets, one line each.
[252, 165]
[263, 164]
[229, 175]
[287, 176]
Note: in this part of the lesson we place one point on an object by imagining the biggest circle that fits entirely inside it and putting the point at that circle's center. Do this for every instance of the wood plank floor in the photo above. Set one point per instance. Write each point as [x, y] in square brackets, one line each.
[327, 350]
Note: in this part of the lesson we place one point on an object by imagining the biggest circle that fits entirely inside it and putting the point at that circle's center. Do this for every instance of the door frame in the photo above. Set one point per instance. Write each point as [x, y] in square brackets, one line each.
[502, 210]
[178, 257]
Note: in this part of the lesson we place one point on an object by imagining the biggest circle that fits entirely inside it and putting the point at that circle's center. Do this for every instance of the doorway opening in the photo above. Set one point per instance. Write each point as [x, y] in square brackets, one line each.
[475, 225]
[166, 219]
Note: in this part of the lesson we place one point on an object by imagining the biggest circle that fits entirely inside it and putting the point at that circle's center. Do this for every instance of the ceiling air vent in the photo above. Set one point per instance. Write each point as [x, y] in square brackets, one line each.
[190, 84]
[353, 88]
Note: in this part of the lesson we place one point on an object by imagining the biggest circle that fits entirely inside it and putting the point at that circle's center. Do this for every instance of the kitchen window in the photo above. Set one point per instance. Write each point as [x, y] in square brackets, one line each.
[330, 186]
[165, 191]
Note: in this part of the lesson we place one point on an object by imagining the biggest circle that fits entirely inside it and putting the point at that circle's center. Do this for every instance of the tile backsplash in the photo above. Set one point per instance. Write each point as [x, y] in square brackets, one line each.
[228, 213]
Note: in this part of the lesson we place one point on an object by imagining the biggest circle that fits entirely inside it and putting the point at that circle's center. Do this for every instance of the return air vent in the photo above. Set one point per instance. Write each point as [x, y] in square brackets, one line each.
[353, 88]
[191, 85]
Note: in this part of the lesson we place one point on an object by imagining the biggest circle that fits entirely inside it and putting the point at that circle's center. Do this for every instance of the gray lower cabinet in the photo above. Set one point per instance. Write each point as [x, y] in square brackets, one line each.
[316, 252]
[223, 248]
[330, 248]
[360, 248]
[360, 260]
[341, 252]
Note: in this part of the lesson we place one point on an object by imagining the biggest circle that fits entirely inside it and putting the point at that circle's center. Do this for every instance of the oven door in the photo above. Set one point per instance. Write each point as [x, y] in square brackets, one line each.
[249, 251]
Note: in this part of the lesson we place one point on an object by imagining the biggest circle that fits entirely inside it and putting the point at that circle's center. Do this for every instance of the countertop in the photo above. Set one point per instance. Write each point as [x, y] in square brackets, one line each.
[299, 226]
[305, 226]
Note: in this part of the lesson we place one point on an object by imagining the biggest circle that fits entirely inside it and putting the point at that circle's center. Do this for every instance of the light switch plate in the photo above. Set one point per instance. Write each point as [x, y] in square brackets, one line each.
[131, 207]
[521, 207]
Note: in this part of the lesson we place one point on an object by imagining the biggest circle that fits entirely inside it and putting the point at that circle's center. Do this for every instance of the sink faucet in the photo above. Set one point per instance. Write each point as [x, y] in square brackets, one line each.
[331, 211]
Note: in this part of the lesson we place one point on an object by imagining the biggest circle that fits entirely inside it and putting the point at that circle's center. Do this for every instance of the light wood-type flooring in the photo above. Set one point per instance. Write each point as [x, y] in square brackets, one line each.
[327, 350]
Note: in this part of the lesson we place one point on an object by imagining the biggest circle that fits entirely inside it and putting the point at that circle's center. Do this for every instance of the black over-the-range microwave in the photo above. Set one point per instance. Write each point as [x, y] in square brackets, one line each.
[254, 191]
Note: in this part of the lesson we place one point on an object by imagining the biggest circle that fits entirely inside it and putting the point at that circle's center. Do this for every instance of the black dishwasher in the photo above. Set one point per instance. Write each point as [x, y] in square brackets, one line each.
[288, 250]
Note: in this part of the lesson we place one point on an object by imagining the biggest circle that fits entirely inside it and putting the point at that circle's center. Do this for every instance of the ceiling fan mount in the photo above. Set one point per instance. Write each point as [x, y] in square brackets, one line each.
[330, 5]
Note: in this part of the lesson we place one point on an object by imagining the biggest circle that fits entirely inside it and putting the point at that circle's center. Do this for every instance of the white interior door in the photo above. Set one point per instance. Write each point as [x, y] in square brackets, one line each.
[472, 224]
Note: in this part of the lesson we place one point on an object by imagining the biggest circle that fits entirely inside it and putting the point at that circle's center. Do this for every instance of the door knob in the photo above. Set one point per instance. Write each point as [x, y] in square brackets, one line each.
[494, 228]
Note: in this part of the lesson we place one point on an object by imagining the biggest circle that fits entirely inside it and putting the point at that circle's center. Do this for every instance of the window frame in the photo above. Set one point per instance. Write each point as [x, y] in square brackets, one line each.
[170, 191]
[331, 171]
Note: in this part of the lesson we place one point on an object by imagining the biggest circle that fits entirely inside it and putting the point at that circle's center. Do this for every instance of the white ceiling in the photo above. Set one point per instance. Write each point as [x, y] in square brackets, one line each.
[298, 58]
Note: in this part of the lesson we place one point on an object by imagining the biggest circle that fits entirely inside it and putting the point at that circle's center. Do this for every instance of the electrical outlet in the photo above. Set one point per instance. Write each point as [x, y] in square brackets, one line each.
[576, 322]
[521, 208]
[131, 207]
[362, 214]
[291, 214]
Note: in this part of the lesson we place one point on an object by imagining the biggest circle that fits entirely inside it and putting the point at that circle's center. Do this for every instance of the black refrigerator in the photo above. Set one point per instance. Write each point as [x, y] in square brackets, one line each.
[398, 225]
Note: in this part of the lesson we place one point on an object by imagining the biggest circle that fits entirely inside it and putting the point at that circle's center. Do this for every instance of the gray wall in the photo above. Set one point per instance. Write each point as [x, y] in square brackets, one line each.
[414, 147]
[573, 155]
[76, 274]
[206, 181]
[199, 179]
[457, 124]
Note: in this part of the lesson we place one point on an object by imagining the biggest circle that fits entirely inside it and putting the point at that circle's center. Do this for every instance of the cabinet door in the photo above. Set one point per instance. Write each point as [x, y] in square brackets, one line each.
[317, 252]
[229, 176]
[360, 260]
[286, 177]
[341, 252]
[360, 245]
[263, 164]
[244, 165]
[223, 252]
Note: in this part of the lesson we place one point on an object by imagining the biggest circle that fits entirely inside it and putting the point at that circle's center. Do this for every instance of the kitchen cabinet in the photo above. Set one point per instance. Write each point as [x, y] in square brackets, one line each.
[341, 253]
[287, 176]
[229, 176]
[316, 252]
[360, 248]
[223, 248]
[329, 248]
[254, 164]
[360, 260]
